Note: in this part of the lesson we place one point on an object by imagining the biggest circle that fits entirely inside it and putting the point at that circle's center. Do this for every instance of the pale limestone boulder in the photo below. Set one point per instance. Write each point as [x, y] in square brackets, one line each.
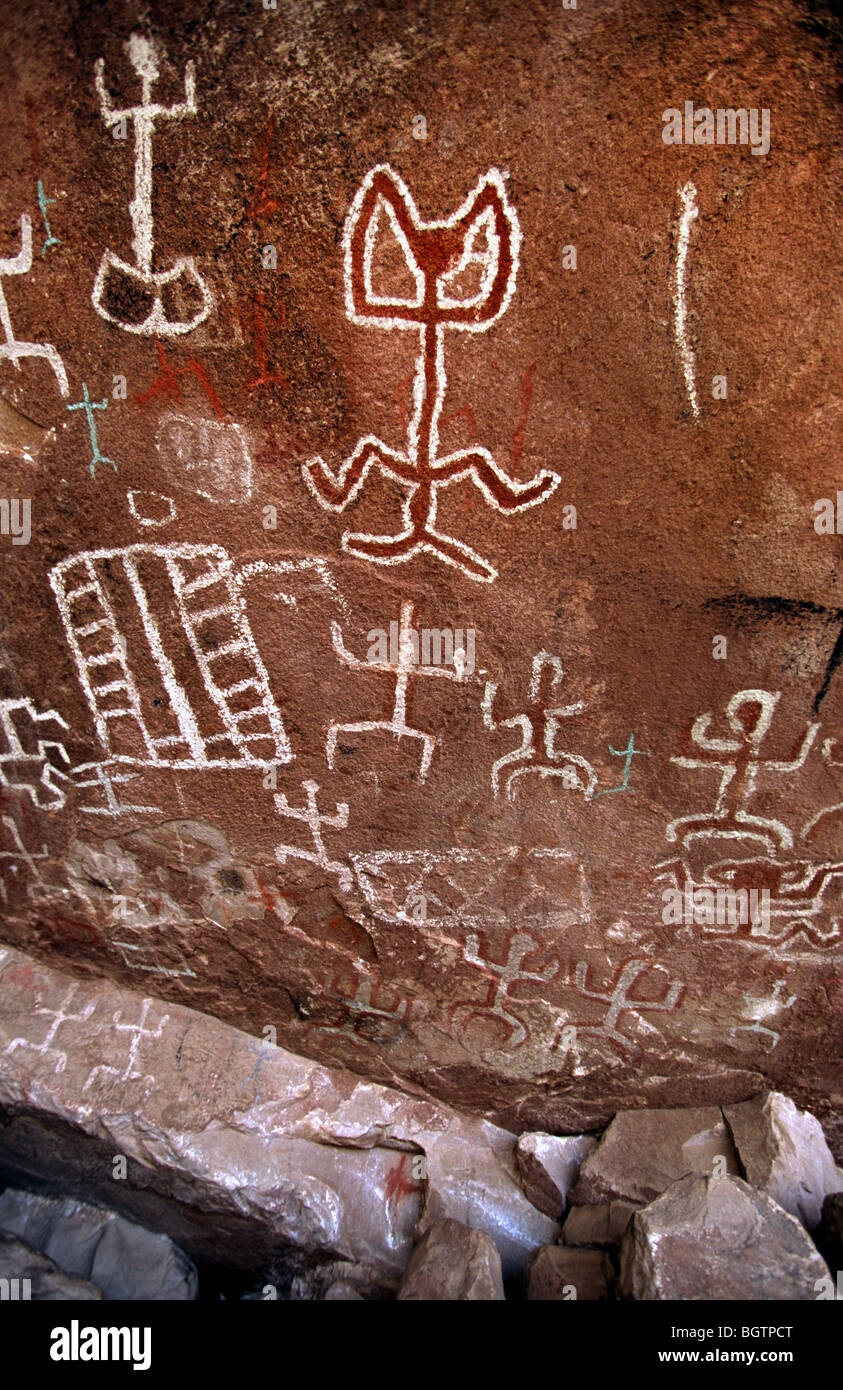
[644, 1151]
[453, 1263]
[122, 1258]
[548, 1165]
[558, 1274]
[718, 1238]
[242, 1152]
[21, 1262]
[783, 1152]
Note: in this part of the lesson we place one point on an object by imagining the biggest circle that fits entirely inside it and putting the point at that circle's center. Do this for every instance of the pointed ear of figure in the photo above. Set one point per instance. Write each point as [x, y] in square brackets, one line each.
[381, 195]
[488, 216]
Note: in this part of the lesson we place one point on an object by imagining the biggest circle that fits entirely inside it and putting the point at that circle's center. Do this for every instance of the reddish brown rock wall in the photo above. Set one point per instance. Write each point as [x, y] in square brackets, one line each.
[190, 635]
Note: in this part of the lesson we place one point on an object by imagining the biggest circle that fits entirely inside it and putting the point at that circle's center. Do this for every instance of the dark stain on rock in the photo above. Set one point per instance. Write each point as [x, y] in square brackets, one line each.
[229, 878]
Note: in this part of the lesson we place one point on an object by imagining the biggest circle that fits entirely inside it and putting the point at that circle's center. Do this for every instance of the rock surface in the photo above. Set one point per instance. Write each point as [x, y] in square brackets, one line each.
[218, 784]
[558, 1274]
[452, 1262]
[47, 1283]
[121, 1258]
[342, 1281]
[718, 1238]
[548, 1165]
[236, 1149]
[784, 1153]
[643, 1151]
[602, 1225]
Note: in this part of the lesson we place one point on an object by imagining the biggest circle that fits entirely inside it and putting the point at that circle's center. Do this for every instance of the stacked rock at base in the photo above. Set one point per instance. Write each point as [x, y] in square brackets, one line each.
[715, 1239]
[783, 1152]
[453, 1263]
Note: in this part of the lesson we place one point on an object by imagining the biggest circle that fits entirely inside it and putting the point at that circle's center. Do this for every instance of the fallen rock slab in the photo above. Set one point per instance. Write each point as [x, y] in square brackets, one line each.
[644, 1151]
[718, 1238]
[120, 1257]
[241, 1152]
[783, 1152]
[549, 1165]
[32, 1275]
[558, 1274]
[602, 1225]
[451, 1262]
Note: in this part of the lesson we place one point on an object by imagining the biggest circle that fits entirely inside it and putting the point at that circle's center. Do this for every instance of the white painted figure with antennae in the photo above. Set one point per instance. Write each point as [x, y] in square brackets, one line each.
[142, 287]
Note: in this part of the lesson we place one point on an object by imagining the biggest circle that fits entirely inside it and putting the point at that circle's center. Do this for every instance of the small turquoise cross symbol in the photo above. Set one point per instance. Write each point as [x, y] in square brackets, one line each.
[43, 200]
[89, 407]
[629, 753]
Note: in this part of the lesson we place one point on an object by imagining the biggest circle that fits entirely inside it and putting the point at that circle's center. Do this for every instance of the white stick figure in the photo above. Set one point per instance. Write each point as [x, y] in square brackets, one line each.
[314, 822]
[13, 348]
[403, 668]
[137, 1031]
[58, 1017]
[148, 282]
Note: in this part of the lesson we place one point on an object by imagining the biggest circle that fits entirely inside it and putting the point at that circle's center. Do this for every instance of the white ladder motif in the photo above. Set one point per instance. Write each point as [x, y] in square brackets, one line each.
[252, 729]
[86, 643]
[261, 714]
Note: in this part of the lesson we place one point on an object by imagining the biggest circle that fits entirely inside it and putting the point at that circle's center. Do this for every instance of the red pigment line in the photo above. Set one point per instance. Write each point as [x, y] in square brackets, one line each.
[32, 132]
[264, 377]
[199, 372]
[399, 396]
[464, 413]
[397, 1185]
[167, 383]
[526, 400]
[69, 926]
[22, 975]
[262, 205]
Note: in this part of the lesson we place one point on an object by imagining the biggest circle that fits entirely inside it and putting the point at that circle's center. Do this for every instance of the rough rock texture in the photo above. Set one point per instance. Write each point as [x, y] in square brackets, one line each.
[120, 1257]
[224, 780]
[236, 1149]
[453, 1262]
[342, 1281]
[717, 1238]
[783, 1151]
[643, 1151]
[548, 1165]
[47, 1283]
[555, 1273]
[602, 1225]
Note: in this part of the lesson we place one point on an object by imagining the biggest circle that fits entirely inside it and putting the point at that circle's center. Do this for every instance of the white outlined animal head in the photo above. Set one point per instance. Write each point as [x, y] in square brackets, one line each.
[463, 267]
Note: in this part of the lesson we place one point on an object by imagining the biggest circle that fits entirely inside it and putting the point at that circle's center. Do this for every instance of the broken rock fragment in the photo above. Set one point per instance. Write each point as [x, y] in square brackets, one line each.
[295, 1161]
[718, 1238]
[602, 1225]
[342, 1280]
[549, 1165]
[32, 1275]
[453, 1263]
[556, 1273]
[644, 1151]
[784, 1153]
[119, 1256]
